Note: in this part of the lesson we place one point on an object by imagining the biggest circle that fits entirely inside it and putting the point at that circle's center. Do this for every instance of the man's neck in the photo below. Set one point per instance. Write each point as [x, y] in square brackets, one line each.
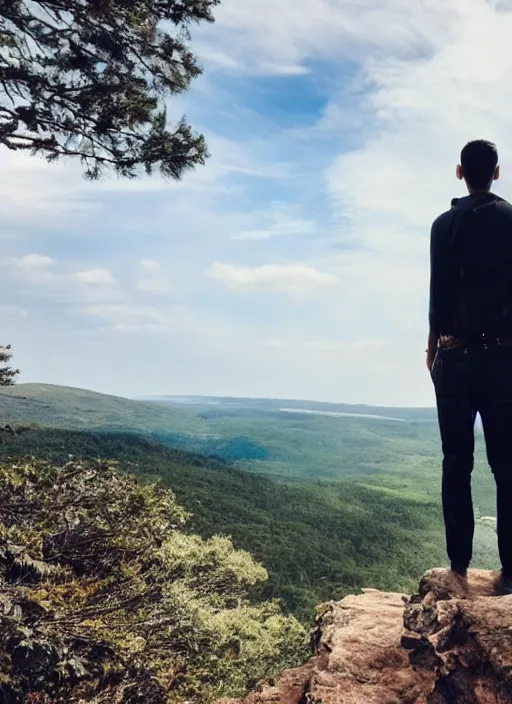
[478, 191]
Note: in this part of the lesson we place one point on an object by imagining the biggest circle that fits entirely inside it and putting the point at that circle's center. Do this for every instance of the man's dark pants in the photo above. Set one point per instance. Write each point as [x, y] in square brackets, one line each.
[470, 381]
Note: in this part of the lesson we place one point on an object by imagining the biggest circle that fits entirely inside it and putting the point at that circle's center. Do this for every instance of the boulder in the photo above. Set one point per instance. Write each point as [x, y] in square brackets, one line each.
[451, 642]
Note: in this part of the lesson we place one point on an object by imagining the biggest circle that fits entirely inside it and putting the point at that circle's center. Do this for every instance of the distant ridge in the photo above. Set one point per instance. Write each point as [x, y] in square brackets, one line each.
[422, 414]
[36, 389]
[67, 407]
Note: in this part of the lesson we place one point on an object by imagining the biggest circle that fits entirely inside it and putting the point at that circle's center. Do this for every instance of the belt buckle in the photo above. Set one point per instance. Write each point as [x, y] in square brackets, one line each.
[448, 342]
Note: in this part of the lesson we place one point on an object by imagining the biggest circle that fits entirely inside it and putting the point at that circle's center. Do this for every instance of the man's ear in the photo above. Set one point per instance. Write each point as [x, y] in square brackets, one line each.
[497, 173]
[458, 172]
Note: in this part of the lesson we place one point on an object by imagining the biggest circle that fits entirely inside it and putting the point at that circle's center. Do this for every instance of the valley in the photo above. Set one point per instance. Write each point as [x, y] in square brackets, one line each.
[330, 501]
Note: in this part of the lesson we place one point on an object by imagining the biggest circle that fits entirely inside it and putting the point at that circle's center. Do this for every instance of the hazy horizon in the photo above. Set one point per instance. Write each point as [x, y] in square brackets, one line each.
[190, 397]
[187, 397]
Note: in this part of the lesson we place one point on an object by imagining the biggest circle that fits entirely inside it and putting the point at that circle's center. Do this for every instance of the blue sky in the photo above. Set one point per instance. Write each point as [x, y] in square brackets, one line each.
[295, 263]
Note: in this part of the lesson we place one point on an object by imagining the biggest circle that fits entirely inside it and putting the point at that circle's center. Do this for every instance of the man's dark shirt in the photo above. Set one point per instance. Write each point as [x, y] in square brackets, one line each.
[471, 268]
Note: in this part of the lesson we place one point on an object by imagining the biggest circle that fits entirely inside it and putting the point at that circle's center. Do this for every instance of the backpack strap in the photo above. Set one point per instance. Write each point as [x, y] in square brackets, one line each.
[460, 219]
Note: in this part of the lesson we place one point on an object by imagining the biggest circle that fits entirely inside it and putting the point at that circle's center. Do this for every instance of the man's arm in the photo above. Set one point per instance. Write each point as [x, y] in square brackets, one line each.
[433, 336]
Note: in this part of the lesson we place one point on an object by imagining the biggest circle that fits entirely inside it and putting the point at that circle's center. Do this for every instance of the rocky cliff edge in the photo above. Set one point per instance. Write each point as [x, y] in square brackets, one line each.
[449, 643]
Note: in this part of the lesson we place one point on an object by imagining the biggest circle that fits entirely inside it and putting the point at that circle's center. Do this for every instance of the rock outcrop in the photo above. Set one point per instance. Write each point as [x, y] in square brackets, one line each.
[451, 643]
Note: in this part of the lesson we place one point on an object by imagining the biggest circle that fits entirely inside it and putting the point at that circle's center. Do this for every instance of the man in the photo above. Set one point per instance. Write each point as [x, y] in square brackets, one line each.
[470, 350]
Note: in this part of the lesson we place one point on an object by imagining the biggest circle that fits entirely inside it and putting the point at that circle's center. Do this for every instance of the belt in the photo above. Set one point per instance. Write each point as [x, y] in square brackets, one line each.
[449, 342]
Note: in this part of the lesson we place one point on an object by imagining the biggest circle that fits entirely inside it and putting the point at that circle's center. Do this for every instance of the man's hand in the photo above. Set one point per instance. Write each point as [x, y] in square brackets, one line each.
[431, 349]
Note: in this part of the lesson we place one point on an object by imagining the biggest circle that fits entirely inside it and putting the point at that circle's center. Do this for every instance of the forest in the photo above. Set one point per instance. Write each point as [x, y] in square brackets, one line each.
[350, 503]
[318, 541]
[105, 598]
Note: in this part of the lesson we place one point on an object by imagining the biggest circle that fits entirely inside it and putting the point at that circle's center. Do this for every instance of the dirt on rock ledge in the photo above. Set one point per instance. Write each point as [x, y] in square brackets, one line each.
[451, 643]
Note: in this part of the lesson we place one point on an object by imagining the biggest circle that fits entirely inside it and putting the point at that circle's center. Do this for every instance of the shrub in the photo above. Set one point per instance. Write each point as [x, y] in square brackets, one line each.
[105, 599]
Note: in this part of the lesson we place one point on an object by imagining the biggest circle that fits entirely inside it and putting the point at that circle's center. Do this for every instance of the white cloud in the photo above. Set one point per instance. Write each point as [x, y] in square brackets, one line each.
[173, 320]
[415, 117]
[423, 112]
[280, 36]
[271, 68]
[152, 279]
[291, 279]
[150, 267]
[37, 193]
[283, 223]
[129, 318]
[95, 276]
[272, 344]
[32, 262]
[32, 269]
[113, 312]
[42, 282]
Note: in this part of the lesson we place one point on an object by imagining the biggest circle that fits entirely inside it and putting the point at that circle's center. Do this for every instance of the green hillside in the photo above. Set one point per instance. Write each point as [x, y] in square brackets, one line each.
[328, 504]
[256, 436]
[64, 407]
[317, 541]
[404, 456]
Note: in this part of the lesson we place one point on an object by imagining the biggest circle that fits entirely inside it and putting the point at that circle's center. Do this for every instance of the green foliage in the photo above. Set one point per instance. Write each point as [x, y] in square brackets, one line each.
[318, 541]
[104, 598]
[78, 409]
[7, 374]
[89, 79]
[346, 502]
[404, 457]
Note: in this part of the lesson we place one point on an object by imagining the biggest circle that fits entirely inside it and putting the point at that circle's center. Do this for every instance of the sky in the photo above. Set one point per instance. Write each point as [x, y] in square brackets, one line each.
[295, 263]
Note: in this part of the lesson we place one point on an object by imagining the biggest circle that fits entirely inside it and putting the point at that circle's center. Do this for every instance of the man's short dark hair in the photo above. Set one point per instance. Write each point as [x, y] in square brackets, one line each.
[479, 160]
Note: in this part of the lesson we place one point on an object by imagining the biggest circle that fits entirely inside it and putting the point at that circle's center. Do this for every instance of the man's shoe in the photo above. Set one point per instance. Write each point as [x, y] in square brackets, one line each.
[505, 585]
[459, 570]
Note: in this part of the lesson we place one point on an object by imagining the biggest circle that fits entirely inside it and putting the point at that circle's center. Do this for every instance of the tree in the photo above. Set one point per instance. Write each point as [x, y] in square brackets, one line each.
[106, 596]
[7, 374]
[89, 79]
